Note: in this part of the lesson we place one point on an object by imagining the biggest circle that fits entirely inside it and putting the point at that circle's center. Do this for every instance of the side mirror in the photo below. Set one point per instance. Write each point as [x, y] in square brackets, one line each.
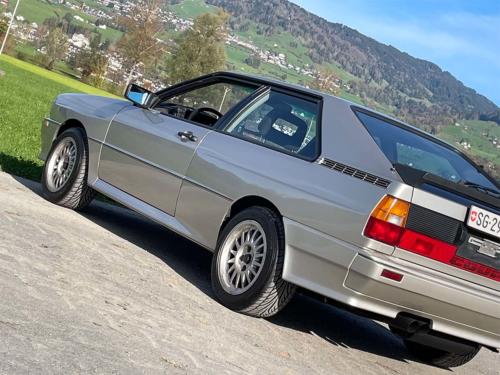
[139, 95]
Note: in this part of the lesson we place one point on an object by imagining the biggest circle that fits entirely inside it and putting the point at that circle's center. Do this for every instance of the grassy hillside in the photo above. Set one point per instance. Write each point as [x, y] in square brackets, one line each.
[483, 137]
[26, 94]
[39, 10]
[192, 8]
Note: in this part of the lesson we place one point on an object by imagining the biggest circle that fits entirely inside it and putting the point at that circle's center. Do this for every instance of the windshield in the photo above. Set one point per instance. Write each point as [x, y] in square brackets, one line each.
[408, 148]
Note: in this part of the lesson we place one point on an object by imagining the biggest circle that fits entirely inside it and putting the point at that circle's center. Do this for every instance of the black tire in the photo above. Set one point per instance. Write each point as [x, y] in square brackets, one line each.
[438, 357]
[269, 293]
[74, 193]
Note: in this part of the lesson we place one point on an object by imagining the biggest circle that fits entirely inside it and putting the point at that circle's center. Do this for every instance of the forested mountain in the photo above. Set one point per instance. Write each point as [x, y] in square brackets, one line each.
[414, 89]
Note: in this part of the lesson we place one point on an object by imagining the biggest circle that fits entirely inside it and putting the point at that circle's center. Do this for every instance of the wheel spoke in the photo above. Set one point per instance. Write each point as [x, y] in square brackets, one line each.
[61, 164]
[242, 256]
[233, 277]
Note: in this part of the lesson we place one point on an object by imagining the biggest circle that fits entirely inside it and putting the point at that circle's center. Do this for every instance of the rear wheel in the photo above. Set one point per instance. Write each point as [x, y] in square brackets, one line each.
[438, 357]
[248, 264]
[64, 179]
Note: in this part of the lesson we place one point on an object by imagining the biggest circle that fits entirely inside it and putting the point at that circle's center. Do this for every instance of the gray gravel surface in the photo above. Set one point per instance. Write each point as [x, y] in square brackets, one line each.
[108, 292]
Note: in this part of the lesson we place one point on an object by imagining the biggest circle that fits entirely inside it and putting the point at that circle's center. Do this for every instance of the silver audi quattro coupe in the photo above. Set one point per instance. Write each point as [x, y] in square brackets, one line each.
[291, 188]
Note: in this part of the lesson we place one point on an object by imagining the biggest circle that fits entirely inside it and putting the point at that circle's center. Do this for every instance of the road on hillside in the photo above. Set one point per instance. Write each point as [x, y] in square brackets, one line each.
[108, 292]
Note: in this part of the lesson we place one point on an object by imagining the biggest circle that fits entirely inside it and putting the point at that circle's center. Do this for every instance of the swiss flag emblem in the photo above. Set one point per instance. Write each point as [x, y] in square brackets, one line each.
[473, 216]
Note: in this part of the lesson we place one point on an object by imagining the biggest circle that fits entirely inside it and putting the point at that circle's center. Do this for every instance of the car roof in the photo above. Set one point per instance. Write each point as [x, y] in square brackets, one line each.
[262, 80]
[269, 81]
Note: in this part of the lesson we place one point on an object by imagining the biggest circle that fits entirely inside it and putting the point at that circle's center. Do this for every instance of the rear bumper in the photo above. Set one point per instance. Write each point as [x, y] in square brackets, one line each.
[352, 276]
[454, 308]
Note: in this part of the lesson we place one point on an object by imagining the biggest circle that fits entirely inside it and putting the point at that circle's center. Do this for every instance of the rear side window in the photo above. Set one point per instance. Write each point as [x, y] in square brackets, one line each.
[404, 147]
[280, 121]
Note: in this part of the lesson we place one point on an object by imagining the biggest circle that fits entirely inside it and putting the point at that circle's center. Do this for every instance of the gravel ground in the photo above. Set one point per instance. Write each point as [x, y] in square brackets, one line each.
[106, 291]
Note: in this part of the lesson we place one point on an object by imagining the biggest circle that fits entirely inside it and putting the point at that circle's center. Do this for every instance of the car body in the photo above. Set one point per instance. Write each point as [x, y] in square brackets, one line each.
[191, 174]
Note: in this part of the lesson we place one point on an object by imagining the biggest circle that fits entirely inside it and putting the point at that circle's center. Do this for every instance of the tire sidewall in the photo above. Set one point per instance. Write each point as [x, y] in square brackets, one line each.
[77, 135]
[266, 276]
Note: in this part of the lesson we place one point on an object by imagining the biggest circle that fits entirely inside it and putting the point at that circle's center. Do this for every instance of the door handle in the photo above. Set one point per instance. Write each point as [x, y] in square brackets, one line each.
[187, 136]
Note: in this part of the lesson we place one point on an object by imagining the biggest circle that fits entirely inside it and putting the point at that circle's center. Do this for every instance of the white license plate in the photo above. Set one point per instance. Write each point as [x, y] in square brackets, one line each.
[484, 221]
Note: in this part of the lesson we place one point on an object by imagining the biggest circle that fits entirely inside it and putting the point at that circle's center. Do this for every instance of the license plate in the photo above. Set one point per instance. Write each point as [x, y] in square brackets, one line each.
[484, 221]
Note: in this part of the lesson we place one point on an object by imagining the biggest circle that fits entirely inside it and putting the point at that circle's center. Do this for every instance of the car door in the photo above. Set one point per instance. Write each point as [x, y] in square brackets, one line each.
[147, 152]
[144, 155]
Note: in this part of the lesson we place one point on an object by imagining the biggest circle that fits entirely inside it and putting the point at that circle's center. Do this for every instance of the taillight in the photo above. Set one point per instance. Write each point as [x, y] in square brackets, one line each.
[387, 221]
[383, 231]
[427, 246]
[387, 224]
[392, 210]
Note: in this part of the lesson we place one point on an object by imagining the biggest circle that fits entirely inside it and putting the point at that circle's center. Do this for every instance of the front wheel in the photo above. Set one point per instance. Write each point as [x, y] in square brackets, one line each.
[248, 264]
[64, 178]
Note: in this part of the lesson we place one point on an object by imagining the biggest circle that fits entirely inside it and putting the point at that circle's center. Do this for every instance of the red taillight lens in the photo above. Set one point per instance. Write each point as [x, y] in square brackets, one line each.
[427, 246]
[383, 231]
[479, 269]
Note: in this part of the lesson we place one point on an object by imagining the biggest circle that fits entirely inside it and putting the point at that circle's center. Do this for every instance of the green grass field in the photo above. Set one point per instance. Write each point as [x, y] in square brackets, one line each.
[192, 8]
[26, 94]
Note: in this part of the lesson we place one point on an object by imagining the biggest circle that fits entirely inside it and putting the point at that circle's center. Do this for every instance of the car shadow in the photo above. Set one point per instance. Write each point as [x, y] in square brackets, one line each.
[192, 262]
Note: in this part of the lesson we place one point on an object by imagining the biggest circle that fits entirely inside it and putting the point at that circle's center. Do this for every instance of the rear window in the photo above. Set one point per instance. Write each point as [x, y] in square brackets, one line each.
[408, 148]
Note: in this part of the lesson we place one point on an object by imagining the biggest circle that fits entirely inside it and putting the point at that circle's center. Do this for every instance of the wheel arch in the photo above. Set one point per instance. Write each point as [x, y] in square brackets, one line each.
[71, 123]
[245, 202]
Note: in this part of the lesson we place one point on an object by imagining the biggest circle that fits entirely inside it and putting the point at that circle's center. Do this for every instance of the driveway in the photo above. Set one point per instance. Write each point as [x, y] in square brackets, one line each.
[106, 291]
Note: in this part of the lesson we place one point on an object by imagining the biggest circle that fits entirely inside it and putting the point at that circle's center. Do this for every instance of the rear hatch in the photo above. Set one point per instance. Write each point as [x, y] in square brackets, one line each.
[454, 202]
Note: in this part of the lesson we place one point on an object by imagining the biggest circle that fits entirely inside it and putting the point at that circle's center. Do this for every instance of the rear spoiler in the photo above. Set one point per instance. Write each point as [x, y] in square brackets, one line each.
[417, 178]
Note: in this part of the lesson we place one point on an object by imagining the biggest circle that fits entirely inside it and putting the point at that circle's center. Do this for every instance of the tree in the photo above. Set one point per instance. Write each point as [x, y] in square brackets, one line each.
[10, 43]
[92, 61]
[4, 24]
[200, 49]
[253, 60]
[56, 46]
[326, 81]
[140, 43]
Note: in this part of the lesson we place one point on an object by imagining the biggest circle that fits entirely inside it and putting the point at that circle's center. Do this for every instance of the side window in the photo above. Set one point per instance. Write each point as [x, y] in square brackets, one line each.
[206, 104]
[280, 121]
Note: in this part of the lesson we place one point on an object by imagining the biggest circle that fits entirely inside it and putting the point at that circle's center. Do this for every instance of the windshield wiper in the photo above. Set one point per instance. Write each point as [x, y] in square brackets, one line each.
[493, 192]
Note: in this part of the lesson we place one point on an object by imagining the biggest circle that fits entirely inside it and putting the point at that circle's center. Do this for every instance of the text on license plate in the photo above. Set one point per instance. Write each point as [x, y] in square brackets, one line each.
[484, 221]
